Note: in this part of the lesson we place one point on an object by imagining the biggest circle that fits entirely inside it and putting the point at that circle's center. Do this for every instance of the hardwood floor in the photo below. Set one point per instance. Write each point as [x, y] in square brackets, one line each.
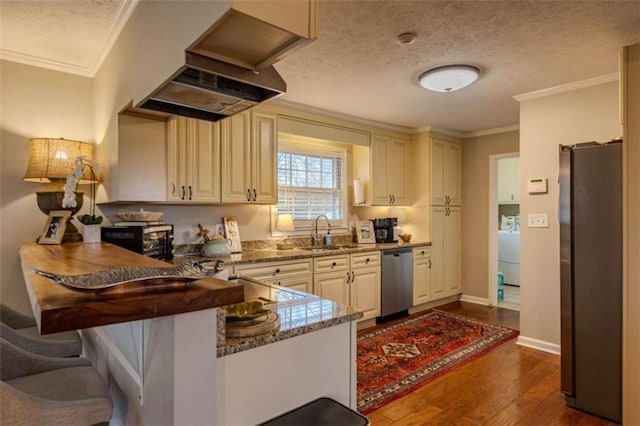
[510, 385]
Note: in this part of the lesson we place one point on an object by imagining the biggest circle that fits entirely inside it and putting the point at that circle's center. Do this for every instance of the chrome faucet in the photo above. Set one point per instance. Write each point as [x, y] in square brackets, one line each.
[317, 239]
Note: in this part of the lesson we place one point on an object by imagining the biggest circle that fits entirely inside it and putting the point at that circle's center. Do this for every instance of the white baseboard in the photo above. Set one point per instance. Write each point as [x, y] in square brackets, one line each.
[540, 345]
[473, 299]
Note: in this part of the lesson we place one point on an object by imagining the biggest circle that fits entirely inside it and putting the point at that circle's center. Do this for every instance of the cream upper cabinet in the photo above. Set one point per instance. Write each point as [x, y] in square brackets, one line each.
[446, 165]
[389, 171]
[249, 151]
[509, 180]
[421, 275]
[141, 156]
[193, 155]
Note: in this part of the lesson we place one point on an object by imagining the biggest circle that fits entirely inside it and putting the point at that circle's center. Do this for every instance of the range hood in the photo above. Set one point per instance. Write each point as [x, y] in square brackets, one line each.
[227, 70]
[208, 89]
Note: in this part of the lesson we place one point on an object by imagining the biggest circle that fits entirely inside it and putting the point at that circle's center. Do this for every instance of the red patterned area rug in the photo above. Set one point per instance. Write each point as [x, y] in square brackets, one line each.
[396, 358]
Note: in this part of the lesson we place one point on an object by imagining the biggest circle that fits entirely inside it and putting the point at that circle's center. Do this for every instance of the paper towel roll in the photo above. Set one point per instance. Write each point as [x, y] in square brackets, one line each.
[358, 192]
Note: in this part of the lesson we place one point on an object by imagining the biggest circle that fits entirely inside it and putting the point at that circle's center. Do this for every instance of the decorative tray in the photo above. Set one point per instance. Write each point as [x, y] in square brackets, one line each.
[125, 274]
[254, 327]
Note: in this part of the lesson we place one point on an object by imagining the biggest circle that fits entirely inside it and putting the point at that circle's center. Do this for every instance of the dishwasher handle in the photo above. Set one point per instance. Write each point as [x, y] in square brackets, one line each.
[396, 251]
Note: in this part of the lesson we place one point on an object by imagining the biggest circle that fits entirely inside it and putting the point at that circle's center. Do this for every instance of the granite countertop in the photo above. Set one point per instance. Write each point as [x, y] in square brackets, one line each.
[272, 255]
[299, 313]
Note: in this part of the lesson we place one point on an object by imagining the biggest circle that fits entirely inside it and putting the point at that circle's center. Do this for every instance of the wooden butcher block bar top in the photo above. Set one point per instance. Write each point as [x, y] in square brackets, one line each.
[58, 308]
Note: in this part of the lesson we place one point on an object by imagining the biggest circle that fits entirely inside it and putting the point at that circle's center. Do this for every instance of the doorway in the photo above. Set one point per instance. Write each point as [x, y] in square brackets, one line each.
[504, 230]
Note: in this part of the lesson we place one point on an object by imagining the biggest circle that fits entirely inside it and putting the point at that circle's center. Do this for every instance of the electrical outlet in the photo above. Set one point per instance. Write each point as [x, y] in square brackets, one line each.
[538, 220]
[219, 229]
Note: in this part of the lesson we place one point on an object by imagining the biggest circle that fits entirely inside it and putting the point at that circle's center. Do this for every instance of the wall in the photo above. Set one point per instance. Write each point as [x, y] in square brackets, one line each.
[576, 116]
[475, 213]
[35, 103]
[631, 296]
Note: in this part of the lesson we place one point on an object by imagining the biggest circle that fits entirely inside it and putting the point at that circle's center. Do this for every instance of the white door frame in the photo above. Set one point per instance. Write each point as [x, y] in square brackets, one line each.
[493, 224]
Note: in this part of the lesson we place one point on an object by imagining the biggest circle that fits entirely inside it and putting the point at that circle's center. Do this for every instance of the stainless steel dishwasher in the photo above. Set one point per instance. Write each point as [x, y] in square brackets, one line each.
[397, 281]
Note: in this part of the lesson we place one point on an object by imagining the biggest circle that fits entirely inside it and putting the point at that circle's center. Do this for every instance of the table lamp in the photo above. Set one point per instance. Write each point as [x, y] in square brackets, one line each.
[285, 224]
[51, 161]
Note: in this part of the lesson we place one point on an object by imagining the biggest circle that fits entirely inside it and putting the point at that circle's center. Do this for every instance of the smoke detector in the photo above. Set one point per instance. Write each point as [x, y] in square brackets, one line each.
[406, 38]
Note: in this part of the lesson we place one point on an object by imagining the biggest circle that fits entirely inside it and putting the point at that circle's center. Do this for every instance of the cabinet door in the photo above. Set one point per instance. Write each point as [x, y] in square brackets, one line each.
[236, 158]
[204, 160]
[332, 286]
[365, 291]
[142, 143]
[302, 283]
[452, 226]
[398, 171]
[379, 170]
[437, 171]
[452, 173]
[177, 159]
[264, 188]
[421, 275]
[508, 181]
[438, 254]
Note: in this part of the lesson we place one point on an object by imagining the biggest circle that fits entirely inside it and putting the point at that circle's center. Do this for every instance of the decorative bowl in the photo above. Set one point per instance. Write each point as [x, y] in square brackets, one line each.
[140, 215]
[244, 311]
[216, 248]
[405, 237]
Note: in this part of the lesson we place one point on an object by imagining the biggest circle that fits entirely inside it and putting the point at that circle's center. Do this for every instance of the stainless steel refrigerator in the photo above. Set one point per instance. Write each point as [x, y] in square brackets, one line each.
[590, 213]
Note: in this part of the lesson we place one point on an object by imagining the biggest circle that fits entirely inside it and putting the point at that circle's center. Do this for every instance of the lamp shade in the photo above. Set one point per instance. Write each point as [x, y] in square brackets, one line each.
[53, 159]
[449, 77]
[285, 223]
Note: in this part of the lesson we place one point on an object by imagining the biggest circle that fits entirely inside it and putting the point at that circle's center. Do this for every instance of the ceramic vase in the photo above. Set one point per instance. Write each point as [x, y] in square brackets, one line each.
[91, 233]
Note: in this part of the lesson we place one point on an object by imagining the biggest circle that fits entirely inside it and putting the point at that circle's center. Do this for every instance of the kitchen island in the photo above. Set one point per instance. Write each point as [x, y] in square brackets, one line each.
[166, 358]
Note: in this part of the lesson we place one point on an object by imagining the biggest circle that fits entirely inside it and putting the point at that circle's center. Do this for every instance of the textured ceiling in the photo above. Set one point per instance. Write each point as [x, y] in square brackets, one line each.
[356, 66]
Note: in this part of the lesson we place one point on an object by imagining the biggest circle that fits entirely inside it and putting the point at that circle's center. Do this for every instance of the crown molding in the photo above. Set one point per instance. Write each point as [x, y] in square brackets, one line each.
[494, 131]
[117, 25]
[340, 116]
[608, 78]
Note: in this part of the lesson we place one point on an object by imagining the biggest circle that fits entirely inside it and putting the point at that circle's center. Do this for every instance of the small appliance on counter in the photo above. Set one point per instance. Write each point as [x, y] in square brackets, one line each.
[151, 240]
[384, 229]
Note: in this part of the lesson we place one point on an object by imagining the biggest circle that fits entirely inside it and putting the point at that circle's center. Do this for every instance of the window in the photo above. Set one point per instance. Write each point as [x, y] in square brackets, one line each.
[311, 183]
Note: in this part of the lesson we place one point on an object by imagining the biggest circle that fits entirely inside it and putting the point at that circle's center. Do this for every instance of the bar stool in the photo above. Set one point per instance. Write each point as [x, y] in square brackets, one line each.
[22, 331]
[50, 391]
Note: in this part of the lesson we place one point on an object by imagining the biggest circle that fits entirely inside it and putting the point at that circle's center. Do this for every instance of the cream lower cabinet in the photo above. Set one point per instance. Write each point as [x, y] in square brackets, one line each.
[351, 280]
[421, 275]
[249, 150]
[445, 251]
[295, 274]
[193, 156]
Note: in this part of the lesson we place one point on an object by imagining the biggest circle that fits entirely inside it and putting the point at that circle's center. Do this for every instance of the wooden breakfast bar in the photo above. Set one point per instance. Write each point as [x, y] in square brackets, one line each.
[160, 344]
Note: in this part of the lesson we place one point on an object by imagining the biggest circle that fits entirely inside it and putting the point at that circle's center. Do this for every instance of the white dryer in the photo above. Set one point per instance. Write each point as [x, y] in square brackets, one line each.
[509, 256]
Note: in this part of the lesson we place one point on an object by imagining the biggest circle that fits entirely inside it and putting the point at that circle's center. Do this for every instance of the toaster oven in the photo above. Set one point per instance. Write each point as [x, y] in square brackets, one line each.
[151, 240]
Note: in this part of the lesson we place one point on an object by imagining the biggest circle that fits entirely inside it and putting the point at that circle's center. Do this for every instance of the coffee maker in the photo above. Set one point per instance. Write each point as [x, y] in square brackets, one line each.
[383, 229]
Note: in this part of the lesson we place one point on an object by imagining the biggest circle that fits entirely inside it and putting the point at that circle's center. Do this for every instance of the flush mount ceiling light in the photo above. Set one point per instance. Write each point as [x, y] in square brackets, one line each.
[449, 77]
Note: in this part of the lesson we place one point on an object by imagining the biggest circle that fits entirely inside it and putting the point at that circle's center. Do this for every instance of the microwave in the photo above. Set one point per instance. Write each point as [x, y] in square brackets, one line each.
[151, 240]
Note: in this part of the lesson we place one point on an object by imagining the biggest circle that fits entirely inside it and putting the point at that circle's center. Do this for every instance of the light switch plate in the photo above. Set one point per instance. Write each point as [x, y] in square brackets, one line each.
[219, 229]
[538, 220]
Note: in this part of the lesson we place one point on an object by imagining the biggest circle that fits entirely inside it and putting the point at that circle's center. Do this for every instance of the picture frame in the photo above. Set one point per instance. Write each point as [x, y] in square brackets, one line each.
[54, 228]
[364, 232]
[232, 233]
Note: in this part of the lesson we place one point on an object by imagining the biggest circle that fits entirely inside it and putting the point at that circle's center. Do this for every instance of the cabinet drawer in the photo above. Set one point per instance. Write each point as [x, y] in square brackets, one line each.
[370, 258]
[275, 269]
[331, 263]
[421, 252]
